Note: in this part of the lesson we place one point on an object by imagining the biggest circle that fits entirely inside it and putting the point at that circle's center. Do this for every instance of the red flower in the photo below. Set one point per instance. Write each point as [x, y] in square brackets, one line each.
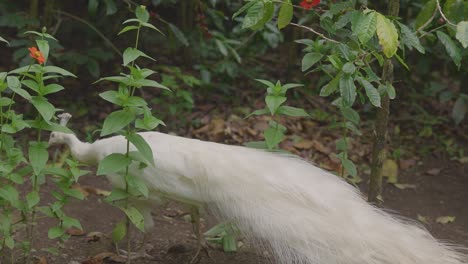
[308, 4]
[37, 55]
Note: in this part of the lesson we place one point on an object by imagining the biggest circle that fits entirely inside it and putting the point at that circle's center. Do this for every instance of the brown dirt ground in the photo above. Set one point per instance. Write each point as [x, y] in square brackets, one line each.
[172, 241]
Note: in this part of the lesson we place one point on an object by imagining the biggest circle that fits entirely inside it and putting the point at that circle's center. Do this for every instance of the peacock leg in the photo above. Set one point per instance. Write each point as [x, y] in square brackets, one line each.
[196, 226]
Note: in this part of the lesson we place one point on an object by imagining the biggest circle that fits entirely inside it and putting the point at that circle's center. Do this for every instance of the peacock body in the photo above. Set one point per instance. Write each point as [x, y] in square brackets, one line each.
[301, 212]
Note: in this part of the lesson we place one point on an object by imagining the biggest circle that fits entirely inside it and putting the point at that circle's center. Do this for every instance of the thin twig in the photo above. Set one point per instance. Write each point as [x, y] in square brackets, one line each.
[427, 22]
[315, 32]
[93, 28]
[443, 15]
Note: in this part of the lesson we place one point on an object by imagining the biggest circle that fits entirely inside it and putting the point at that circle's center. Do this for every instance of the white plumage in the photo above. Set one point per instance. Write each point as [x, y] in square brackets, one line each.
[301, 212]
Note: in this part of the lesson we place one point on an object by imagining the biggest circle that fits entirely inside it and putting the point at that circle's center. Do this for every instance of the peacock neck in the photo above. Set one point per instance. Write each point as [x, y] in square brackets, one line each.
[82, 151]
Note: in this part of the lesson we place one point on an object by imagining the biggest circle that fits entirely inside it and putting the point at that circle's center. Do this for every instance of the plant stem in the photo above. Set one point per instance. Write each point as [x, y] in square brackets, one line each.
[93, 28]
[381, 123]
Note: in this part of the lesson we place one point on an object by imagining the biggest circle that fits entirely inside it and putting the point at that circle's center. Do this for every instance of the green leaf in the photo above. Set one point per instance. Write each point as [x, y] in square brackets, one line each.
[274, 135]
[331, 87]
[310, 59]
[4, 101]
[116, 195]
[141, 13]
[32, 199]
[135, 217]
[285, 15]
[221, 47]
[401, 61]
[135, 101]
[349, 166]
[115, 162]
[254, 15]
[143, 147]
[243, 8]
[179, 34]
[116, 121]
[349, 68]
[348, 90]
[268, 11]
[265, 82]
[229, 243]
[390, 91]
[462, 33]
[43, 46]
[259, 112]
[452, 49]
[119, 232]
[148, 25]
[71, 222]
[9, 242]
[31, 84]
[55, 69]
[46, 109]
[112, 96]
[127, 28]
[73, 193]
[456, 10]
[426, 14]
[110, 7]
[371, 76]
[365, 27]
[9, 193]
[131, 54]
[459, 110]
[138, 184]
[371, 92]
[292, 111]
[388, 35]
[38, 156]
[288, 86]
[92, 6]
[273, 102]
[52, 88]
[148, 83]
[55, 232]
[335, 61]
[148, 123]
[350, 115]
[15, 85]
[410, 39]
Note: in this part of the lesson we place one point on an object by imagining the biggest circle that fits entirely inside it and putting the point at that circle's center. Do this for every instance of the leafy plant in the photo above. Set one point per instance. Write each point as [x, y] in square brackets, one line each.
[134, 115]
[33, 83]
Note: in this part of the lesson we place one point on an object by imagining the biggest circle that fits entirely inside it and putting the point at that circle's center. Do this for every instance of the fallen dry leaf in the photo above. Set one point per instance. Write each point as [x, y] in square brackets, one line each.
[422, 219]
[403, 186]
[304, 144]
[406, 164]
[41, 260]
[390, 170]
[99, 258]
[445, 219]
[94, 236]
[81, 189]
[97, 191]
[434, 171]
[73, 231]
[463, 160]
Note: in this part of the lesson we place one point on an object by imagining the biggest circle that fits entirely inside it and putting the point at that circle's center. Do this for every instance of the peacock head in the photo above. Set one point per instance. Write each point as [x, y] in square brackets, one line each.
[57, 138]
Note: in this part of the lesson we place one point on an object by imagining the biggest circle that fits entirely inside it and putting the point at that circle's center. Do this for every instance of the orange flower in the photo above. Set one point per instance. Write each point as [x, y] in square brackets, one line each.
[308, 4]
[37, 55]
